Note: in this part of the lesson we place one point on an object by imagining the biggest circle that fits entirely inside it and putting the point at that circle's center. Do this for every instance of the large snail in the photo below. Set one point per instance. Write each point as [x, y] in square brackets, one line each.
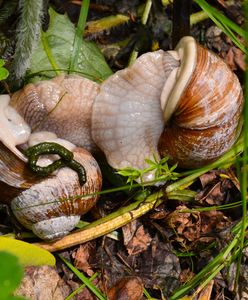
[185, 104]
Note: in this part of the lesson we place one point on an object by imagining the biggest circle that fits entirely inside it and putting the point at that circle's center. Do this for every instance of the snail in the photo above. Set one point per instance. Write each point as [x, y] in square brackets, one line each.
[184, 104]
[51, 206]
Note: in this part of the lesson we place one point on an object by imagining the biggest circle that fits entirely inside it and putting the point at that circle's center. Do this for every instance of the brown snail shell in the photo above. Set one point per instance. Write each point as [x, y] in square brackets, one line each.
[206, 118]
[61, 105]
[52, 206]
[191, 114]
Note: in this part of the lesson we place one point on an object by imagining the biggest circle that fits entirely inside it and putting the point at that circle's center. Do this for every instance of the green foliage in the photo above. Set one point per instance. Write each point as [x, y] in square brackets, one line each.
[11, 273]
[225, 24]
[159, 168]
[57, 44]
[28, 254]
[84, 279]
[4, 73]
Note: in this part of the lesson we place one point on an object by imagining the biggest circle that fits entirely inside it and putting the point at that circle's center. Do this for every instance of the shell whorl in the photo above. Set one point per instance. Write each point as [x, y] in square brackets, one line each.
[206, 121]
[53, 206]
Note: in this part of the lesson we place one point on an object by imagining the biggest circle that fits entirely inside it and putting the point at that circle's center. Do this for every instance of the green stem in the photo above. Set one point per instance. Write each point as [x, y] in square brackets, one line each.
[144, 20]
[79, 34]
[243, 179]
[81, 287]
[84, 279]
[48, 51]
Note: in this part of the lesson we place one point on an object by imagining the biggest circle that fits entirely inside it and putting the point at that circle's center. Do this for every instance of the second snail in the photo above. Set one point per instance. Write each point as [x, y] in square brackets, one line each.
[185, 104]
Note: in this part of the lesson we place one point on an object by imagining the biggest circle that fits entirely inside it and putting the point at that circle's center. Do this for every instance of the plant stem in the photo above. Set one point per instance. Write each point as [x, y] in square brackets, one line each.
[243, 179]
[181, 20]
[144, 20]
[49, 53]
[79, 34]
[135, 210]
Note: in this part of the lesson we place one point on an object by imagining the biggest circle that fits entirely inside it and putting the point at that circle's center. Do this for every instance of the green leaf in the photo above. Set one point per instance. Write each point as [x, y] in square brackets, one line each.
[28, 254]
[55, 48]
[4, 73]
[11, 274]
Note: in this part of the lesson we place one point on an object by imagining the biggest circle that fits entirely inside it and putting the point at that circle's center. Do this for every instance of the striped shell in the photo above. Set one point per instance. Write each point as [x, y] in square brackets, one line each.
[206, 120]
[50, 207]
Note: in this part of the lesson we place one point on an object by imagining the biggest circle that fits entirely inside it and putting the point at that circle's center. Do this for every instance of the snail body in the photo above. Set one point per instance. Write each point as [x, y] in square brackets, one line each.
[184, 104]
[61, 105]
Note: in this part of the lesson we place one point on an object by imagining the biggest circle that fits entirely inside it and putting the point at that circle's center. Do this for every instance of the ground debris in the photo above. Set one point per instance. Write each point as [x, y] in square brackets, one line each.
[195, 229]
[157, 266]
[135, 238]
[129, 288]
[81, 257]
[41, 283]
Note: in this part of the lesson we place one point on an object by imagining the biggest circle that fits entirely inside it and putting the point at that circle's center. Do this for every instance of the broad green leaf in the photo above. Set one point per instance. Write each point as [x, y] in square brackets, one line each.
[28, 254]
[11, 274]
[55, 49]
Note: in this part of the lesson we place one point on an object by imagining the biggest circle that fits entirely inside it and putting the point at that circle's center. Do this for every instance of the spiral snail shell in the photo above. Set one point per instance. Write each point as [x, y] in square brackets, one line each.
[51, 206]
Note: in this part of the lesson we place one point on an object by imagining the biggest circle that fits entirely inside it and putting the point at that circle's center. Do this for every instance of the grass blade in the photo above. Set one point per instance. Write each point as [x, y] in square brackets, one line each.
[84, 279]
[79, 33]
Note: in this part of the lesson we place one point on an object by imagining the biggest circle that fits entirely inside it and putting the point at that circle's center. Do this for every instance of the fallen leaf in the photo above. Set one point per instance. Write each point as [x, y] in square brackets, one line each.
[81, 258]
[128, 288]
[140, 242]
[28, 254]
[42, 283]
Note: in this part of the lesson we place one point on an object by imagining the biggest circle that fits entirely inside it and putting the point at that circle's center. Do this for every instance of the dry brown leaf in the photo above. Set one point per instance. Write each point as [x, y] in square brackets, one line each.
[129, 230]
[139, 242]
[129, 288]
[81, 258]
[41, 283]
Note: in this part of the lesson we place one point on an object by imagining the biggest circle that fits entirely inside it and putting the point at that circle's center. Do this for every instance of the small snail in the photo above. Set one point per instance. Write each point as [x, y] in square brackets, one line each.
[51, 206]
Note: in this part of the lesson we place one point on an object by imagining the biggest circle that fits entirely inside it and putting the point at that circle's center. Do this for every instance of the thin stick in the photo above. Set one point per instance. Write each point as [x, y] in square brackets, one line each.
[181, 20]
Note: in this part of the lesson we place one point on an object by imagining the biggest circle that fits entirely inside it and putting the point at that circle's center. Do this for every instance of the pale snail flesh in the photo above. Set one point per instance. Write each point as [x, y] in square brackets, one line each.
[62, 105]
[191, 114]
[52, 206]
